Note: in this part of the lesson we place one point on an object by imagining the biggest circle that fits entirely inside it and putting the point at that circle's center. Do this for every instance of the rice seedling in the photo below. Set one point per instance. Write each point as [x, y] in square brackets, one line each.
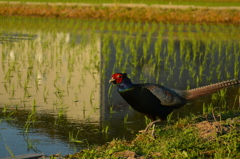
[105, 127]
[8, 116]
[45, 95]
[31, 143]
[4, 108]
[31, 117]
[73, 137]
[125, 119]
[9, 150]
[147, 120]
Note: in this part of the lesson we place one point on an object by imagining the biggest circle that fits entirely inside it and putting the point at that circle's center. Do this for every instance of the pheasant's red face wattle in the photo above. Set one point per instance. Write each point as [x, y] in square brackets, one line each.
[117, 78]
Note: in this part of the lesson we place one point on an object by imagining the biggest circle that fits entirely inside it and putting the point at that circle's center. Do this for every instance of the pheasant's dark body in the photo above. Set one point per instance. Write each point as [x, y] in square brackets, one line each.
[141, 98]
[155, 100]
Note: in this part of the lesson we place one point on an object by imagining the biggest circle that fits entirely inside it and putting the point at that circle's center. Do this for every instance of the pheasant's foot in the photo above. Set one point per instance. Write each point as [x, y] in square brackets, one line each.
[150, 125]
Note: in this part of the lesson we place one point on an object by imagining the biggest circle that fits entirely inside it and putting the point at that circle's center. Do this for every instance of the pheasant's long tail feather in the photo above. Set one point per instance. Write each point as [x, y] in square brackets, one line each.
[197, 92]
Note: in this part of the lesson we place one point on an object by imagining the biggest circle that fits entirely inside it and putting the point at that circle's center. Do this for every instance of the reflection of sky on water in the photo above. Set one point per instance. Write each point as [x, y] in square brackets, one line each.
[13, 139]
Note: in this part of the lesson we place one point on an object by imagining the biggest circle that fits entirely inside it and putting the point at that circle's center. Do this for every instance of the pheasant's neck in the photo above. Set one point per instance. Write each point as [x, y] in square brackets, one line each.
[125, 85]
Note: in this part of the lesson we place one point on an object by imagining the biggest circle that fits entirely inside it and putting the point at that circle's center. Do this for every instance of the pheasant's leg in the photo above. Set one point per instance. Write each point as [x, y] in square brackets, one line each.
[153, 131]
[151, 124]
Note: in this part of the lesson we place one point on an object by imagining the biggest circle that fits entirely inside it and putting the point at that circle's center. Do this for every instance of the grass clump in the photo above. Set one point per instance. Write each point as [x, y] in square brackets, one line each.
[214, 136]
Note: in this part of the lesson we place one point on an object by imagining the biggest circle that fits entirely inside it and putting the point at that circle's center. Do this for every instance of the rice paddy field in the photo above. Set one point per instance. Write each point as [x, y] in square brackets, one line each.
[54, 90]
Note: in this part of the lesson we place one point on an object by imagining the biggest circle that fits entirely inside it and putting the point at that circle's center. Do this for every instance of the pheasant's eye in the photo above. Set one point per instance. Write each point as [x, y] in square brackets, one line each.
[117, 76]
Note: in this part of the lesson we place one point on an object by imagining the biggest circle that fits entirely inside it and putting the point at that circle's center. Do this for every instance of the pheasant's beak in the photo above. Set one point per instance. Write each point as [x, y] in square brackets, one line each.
[112, 80]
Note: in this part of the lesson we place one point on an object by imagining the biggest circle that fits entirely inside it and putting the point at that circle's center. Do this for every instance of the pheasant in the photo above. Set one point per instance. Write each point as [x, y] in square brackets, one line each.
[155, 100]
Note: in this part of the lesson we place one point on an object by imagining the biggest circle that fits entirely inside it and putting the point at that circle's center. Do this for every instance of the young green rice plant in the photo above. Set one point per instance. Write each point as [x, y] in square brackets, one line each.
[61, 109]
[209, 108]
[119, 51]
[222, 93]
[105, 127]
[96, 107]
[236, 67]
[59, 93]
[37, 84]
[31, 117]
[111, 111]
[181, 71]
[147, 120]
[209, 78]
[8, 116]
[204, 108]
[125, 66]
[45, 95]
[73, 138]
[31, 143]
[8, 75]
[28, 123]
[158, 47]
[4, 108]
[16, 107]
[110, 91]
[237, 99]
[125, 119]
[76, 98]
[197, 81]
[26, 92]
[84, 109]
[9, 149]
[170, 47]
[92, 96]
[169, 117]
[34, 106]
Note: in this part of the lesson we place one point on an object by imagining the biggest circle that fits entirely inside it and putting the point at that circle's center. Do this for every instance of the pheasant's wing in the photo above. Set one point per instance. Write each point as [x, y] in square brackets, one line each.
[168, 97]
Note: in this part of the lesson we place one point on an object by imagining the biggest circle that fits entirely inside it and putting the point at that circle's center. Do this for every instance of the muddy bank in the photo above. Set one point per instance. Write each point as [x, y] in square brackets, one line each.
[142, 13]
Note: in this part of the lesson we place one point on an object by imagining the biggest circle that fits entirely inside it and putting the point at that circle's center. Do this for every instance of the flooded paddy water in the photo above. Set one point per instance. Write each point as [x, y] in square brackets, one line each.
[54, 90]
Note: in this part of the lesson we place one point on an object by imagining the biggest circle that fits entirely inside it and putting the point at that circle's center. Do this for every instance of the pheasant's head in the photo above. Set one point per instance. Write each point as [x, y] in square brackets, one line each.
[117, 78]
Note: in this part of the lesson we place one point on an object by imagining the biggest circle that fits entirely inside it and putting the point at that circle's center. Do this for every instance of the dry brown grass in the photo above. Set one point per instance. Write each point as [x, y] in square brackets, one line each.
[143, 14]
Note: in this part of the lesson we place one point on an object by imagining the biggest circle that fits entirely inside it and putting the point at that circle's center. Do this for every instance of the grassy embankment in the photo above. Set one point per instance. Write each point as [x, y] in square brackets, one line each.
[148, 2]
[145, 13]
[212, 136]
